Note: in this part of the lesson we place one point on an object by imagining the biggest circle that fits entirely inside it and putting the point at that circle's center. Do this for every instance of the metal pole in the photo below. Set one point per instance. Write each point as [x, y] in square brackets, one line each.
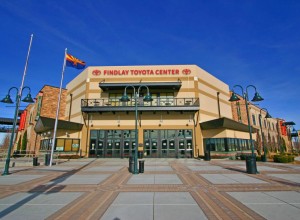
[249, 125]
[25, 68]
[262, 139]
[57, 110]
[6, 168]
[250, 164]
[135, 170]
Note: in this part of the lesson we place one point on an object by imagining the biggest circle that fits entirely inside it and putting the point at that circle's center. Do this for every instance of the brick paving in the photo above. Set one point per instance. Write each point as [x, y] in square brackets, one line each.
[93, 189]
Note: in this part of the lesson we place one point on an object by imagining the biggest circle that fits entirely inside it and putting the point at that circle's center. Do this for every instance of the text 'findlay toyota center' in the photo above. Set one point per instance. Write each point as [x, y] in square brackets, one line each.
[141, 72]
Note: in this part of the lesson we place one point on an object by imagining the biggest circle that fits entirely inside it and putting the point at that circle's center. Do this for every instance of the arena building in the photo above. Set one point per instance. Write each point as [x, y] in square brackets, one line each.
[189, 107]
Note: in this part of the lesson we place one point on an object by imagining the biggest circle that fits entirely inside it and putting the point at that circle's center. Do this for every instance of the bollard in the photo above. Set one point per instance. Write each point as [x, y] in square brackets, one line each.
[207, 155]
[47, 159]
[141, 166]
[131, 164]
[35, 161]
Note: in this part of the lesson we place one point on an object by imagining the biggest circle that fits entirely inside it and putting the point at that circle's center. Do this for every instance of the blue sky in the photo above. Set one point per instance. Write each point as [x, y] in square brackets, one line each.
[244, 42]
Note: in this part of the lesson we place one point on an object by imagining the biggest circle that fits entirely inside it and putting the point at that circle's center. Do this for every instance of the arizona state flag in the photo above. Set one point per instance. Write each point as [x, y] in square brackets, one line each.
[74, 62]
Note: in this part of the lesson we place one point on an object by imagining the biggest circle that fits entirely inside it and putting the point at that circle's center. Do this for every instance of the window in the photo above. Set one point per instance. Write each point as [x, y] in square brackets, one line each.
[67, 145]
[226, 144]
[253, 119]
[166, 98]
[114, 99]
[239, 112]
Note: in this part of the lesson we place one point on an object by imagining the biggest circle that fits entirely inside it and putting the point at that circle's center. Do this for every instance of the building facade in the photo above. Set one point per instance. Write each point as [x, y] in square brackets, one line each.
[183, 97]
[45, 107]
[188, 115]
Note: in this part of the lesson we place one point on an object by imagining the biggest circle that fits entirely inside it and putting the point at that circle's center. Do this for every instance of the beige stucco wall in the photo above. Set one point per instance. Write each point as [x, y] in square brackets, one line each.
[196, 84]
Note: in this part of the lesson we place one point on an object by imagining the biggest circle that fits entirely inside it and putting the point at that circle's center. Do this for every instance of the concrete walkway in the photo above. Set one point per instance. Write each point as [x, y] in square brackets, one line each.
[168, 189]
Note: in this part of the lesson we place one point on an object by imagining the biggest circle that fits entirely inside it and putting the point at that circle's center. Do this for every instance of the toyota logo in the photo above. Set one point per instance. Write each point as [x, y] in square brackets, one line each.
[96, 72]
[186, 71]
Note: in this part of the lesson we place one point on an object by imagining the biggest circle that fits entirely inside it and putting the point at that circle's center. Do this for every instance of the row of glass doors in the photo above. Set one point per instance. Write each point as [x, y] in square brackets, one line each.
[157, 143]
[168, 143]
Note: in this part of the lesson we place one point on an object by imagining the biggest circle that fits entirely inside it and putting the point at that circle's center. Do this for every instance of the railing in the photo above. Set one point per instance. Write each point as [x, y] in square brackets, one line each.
[157, 102]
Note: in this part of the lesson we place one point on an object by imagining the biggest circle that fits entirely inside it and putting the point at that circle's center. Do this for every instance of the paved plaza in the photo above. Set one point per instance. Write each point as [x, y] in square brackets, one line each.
[168, 189]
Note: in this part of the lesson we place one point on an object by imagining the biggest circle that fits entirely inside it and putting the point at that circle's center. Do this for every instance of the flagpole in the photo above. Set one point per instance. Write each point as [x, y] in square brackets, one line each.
[25, 69]
[57, 110]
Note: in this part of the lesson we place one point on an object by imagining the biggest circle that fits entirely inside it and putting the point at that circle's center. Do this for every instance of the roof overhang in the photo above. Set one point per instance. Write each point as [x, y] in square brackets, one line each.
[45, 124]
[8, 121]
[225, 123]
[151, 85]
[288, 123]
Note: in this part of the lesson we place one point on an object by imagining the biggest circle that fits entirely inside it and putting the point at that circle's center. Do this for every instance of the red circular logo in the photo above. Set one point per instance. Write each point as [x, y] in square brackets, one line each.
[186, 71]
[96, 72]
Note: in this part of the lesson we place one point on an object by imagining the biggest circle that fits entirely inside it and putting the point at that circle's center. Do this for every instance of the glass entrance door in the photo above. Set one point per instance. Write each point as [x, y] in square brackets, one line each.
[168, 143]
[164, 148]
[126, 145]
[181, 148]
[189, 150]
[172, 148]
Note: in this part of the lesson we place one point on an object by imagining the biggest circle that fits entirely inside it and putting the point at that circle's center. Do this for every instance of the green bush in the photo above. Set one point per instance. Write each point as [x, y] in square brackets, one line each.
[283, 158]
[258, 158]
[68, 156]
[243, 156]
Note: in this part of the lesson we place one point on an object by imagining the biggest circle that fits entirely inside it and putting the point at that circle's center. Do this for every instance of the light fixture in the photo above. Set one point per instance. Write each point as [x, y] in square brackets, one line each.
[8, 100]
[250, 161]
[125, 98]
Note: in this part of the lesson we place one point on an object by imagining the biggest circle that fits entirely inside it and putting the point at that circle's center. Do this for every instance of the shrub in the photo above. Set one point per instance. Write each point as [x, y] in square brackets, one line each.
[258, 158]
[243, 156]
[68, 156]
[283, 158]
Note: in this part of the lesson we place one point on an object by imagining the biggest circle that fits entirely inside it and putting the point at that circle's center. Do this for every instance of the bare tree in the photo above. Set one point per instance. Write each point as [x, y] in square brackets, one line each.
[5, 142]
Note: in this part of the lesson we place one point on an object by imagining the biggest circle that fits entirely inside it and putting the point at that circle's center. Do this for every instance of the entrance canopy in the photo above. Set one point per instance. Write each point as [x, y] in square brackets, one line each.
[225, 123]
[46, 124]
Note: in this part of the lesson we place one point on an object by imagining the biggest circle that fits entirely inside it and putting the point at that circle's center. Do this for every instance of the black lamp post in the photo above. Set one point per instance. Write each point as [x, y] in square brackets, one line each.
[125, 98]
[250, 161]
[8, 100]
[264, 157]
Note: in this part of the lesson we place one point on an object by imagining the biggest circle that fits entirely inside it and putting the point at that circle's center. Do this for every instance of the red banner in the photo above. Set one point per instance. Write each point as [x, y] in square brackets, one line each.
[283, 128]
[22, 120]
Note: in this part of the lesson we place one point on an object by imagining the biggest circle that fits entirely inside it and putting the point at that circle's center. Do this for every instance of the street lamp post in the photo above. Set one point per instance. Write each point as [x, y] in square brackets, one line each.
[8, 100]
[125, 98]
[264, 157]
[250, 162]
